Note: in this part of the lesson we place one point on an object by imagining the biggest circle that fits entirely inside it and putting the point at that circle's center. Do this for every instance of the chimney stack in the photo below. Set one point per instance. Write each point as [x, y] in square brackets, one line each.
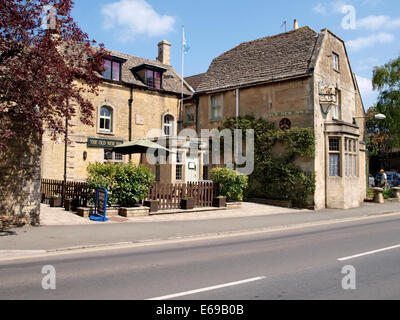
[164, 52]
[295, 24]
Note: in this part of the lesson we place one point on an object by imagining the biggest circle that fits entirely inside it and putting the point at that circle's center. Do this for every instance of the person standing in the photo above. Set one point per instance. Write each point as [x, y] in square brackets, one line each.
[384, 181]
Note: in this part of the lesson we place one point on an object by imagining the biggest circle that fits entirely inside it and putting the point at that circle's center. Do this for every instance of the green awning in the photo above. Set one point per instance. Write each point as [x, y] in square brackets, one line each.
[138, 146]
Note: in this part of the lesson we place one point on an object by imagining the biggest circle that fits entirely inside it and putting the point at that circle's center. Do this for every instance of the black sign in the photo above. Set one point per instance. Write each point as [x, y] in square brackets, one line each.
[101, 202]
[100, 210]
[103, 143]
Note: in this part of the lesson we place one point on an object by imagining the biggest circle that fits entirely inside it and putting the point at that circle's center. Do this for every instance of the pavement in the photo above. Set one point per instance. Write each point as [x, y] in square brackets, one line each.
[62, 230]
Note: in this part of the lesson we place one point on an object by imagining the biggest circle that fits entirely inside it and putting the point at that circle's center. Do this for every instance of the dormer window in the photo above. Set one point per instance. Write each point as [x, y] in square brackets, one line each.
[113, 68]
[150, 75]
[153, 79]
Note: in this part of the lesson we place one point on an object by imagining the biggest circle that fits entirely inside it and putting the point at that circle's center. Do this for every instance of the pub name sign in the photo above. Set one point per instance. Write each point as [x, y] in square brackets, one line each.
[103, 143]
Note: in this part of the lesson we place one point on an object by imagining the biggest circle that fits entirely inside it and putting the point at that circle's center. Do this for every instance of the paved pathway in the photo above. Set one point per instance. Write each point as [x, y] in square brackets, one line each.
[59, 217]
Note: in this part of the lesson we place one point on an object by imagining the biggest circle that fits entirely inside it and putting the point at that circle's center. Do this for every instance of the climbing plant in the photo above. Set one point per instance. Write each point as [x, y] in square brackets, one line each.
[278, 177]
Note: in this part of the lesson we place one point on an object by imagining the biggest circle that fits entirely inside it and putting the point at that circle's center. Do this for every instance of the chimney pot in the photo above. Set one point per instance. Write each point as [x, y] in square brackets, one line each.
[295, 24]
[164, 52]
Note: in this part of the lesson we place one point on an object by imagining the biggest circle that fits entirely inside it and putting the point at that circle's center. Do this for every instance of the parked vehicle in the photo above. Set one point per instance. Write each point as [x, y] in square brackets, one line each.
[371, 181]
[392, 178]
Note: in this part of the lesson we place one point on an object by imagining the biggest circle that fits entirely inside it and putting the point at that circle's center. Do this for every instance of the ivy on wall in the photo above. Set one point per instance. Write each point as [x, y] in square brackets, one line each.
[278, 177]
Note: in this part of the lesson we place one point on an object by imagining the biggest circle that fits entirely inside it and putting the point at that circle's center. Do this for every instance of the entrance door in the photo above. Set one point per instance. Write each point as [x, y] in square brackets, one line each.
[192, 169]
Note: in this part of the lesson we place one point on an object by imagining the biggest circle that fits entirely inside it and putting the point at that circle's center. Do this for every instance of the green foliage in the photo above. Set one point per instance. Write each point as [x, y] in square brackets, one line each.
[127, 184]
[279, 178]
[386, 79]
[232, 184]
[388, 193]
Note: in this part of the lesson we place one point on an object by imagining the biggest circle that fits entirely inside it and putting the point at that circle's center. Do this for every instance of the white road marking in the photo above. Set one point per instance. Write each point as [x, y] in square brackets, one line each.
[187, 293]
[369, 253]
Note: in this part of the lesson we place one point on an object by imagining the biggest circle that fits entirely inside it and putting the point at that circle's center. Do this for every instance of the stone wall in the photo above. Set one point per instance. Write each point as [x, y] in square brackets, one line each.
[20, 179]
[148, 108]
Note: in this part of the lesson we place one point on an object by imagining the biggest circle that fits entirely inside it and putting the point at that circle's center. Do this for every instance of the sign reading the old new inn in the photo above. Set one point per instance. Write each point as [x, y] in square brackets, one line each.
[103, 143]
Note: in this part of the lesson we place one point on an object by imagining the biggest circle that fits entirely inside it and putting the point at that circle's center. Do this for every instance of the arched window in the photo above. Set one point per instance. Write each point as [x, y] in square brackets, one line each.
[168, 125]
[106, 116]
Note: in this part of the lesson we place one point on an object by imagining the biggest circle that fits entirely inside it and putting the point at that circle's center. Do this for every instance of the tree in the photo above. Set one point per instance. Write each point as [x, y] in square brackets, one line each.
[40, 61]
[386, 79]
[47, 68]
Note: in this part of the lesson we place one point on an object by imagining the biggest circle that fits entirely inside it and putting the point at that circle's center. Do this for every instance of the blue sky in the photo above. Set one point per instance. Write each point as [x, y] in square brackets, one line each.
[370, 28]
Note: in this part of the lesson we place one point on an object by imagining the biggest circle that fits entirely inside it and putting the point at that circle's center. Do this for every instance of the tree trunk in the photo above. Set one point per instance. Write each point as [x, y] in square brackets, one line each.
[20, 178]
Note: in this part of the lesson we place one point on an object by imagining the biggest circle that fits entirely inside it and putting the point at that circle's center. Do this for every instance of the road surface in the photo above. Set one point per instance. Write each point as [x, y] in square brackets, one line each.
[300, 264]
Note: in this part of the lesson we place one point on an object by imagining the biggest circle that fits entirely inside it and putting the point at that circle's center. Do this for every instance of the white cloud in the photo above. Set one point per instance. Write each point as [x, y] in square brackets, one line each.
[135, 17]
[378, 22]
[370, 41]
[365, 85]
[319, 8]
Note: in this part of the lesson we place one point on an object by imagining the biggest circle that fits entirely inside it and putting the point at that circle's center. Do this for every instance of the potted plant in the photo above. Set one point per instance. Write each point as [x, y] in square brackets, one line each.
[219, 202]
[68, 204]
[187, 203]
[56, 201]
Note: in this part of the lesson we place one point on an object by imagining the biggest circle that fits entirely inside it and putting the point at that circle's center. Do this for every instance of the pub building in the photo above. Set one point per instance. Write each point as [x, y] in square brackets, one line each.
[137, 96]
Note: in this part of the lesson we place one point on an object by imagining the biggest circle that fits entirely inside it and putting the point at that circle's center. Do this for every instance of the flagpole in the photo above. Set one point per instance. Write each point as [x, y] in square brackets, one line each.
[183, 66]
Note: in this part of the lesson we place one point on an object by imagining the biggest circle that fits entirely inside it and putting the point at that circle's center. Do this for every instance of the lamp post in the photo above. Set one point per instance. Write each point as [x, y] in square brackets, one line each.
[378, 116]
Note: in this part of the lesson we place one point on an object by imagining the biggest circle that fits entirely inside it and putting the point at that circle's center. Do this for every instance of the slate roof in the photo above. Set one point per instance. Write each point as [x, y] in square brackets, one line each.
[271, 58]
[171, 82]
[194, 81]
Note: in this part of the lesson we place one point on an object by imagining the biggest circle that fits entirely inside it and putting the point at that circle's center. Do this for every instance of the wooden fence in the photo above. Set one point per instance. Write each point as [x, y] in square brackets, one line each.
[169, 195]
[77, 191]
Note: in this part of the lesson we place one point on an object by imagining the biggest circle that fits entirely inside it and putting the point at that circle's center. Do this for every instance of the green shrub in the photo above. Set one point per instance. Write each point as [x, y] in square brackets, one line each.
[232, 184]
[388, 193]
[127, 184]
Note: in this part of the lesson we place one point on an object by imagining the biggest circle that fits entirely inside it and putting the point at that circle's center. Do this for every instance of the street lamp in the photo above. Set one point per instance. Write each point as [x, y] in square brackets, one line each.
[378, 116]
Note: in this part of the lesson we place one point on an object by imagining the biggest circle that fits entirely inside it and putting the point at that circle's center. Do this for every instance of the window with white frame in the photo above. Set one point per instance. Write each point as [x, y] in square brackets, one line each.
[216, 107]
[106, 119]
[168, 125]
[179, 166]
[335, 58]
[113, 156]
[337, 110]
[190, 114]
[351, 157]
[334, 157]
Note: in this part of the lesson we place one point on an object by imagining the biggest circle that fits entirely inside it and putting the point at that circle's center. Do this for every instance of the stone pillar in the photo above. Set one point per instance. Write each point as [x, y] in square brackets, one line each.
[396, 192]
[20, 178]
[378, 195]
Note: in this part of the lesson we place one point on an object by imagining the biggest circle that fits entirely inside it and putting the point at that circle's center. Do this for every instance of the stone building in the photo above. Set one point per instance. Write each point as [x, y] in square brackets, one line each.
[300, 78]
[137, 97]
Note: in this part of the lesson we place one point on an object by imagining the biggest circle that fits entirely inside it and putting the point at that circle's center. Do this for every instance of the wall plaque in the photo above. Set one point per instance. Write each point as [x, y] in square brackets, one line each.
[140, 119]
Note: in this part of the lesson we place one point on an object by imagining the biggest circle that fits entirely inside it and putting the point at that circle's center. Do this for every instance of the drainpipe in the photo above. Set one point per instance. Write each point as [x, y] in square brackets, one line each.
[197, 101]
[237, 93]
[130, 102]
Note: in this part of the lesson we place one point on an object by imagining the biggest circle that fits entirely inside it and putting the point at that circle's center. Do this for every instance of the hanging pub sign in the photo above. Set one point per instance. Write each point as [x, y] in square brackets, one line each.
[100, 209]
